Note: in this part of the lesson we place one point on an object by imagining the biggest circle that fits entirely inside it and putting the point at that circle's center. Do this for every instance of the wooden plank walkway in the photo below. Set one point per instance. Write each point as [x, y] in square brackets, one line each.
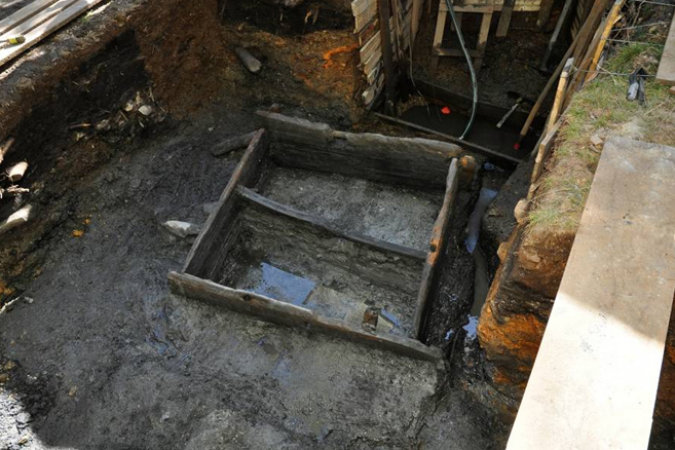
[594, 382]
[666, 72]
[36, 21]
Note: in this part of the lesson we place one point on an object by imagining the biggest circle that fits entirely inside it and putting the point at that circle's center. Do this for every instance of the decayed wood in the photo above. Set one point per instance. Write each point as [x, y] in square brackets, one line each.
[246, 173]
[231, 144]
[496, 156]
[46, 28]
[287, 314]
[249, 61]
[5, 148]
[324, 224]
[666, 71]
[17, 218]
[436, 248]
[17, 171]
[409, 161]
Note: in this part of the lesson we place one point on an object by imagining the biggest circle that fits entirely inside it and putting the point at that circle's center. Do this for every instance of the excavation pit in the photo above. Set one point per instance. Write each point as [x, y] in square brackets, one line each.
[338, 232]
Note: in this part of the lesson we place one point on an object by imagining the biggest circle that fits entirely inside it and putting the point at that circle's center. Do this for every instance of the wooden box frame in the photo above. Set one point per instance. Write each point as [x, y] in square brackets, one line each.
[413, 161]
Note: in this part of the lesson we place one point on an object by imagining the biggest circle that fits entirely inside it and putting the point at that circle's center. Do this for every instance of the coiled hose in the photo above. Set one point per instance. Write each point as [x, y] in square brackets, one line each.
[474, 81]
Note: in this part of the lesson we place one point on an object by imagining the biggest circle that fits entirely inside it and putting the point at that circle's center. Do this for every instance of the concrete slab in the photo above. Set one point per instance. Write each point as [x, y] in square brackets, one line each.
[666, 71]
[595, 379]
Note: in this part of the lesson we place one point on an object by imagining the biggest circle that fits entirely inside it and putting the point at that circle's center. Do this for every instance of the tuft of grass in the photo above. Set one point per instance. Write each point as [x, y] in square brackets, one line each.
[601, 109]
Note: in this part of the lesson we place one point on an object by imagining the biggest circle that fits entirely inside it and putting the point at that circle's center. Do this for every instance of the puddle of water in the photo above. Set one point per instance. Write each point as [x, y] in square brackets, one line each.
[281, 285]
[471, 328]
[486, 197]
[391, 318]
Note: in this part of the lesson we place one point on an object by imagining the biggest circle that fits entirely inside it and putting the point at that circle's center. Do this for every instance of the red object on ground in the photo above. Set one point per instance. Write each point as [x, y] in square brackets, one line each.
[516, 146]
[445, 110]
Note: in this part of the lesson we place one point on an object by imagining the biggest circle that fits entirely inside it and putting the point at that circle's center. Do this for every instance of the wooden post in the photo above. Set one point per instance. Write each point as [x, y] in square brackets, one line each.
[505, 18]
[612, 18]
[387, 56]
[483, 37]
[544, 13]
[559, 95]
[436, 248]
[580, 41]
[556, 33]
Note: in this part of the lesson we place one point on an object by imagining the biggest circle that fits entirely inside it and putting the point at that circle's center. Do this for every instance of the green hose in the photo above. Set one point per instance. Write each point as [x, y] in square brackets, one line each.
[474, 81]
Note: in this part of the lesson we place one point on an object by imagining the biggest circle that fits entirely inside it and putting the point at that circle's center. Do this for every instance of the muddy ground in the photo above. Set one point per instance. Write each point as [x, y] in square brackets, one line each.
[94, 352]
[105, 358]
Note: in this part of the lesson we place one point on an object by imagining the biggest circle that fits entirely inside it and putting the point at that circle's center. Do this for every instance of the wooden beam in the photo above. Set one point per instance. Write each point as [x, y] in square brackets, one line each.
[46, 28]
[25, 13]
[505, 18]
[390, 76]
[318, 222]
[283, 313]
[211, 237]
[437, 246]
[315, 146]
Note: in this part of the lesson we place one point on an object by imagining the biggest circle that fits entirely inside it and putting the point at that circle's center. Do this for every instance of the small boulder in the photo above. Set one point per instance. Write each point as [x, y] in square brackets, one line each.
[182, 229]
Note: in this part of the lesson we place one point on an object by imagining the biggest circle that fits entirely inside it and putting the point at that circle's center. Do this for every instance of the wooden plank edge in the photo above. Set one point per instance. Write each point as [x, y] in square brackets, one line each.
[318, 222]
[26, 26]
[247, 159]
[437, 245]
[24, 14]
[55, 23]
[272, 310]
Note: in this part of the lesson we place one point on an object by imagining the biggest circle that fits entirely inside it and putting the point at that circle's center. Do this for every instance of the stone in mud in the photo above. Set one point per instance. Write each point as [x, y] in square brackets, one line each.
[182, 229]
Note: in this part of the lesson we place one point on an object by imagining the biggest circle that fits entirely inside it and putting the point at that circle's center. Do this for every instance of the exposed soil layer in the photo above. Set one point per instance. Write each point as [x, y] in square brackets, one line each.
[94, 352]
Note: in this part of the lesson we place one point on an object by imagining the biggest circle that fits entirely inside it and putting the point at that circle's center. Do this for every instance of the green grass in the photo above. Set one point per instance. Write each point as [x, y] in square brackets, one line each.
[600, 108]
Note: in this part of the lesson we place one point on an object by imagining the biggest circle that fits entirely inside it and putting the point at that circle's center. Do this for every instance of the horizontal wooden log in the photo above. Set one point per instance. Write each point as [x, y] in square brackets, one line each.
[408, 161]
[189, 286]
[436, 248]
[324, 224]
[209, 241]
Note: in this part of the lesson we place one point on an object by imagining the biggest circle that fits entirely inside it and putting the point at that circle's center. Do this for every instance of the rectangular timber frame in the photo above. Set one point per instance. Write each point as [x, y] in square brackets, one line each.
[302, 144]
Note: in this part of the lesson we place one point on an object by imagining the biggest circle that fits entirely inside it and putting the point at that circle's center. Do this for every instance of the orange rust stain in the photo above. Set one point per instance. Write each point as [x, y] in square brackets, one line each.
[328, 56]
[516, 336]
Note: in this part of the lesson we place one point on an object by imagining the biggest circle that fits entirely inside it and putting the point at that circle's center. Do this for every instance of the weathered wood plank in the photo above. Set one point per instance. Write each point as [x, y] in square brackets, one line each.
[408, 161]
[287, 314]
[666, 72]
[287, 211]
[595, 378]
[24, 13]
[45, 29]
[246, 173]
[436, 248]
